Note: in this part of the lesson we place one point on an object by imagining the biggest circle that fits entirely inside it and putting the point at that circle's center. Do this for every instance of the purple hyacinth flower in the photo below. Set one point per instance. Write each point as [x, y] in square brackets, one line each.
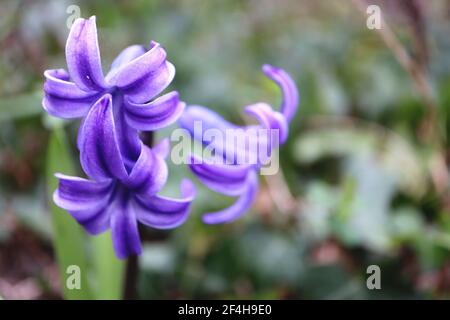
[119, 193]
[125, 175]
[136, 76]
[230, 177]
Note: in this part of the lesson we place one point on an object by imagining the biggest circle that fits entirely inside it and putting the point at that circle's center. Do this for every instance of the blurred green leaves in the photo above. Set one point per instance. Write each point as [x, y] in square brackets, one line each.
[374, 164]
[101, 271]
[343, 139]
[69, 238]
[20, 106]
[108, 275]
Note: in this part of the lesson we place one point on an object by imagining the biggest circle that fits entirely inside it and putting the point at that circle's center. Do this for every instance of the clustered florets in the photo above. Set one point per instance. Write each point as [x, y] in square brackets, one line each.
[125, 175]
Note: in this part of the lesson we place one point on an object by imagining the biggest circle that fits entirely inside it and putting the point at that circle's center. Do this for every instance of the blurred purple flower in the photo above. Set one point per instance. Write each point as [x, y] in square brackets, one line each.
[230, 177]
[125, 175]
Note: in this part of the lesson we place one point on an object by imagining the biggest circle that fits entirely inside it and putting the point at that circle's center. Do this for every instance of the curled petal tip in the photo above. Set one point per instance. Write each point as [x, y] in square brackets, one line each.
[83, 55]
[270, 120]
[105, 100]
[267, 68]
[288, 89]
[162, 148]
[188, 190]
[127, 55]
[138, 69]
[156, 114]
[63, 98]
[60, 175]
[148, 85]
[220, 177]
[164, 212]
[237, 209]
[153, 44]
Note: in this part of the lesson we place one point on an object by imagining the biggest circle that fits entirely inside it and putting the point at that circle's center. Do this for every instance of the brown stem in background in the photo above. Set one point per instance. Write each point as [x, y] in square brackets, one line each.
[417, 73]
[281, 195]
[415, 14]
[420, 79]
[132, 264]
[131, 275]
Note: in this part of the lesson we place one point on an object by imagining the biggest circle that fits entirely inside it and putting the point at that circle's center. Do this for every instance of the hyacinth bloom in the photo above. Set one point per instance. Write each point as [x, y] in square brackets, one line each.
[136, 76]
[233, 178]
[124, 174]
[119, 194]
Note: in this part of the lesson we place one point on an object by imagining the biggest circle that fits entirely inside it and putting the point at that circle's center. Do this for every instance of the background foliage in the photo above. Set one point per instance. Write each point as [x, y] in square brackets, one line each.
[364, 174]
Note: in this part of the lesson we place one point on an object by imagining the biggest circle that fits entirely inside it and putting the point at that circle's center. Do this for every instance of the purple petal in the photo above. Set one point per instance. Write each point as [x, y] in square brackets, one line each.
[124, 229]
[99, 150]
[85, 200]
[83, 55]
[150, 85]
[162, 148]
[199, 120]
[148, 175]
[194, 115]
[64, 99]
[76, 193]
[128, 54]
[223, 178]
[269, 119]
[288, 88]
[127, 136]
[154, 115]
[93, 220]
[239, 207]
[138, 68]
[164, 212]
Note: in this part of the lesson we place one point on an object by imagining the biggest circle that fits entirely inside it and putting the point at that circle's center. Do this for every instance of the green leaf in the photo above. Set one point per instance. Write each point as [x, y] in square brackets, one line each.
[109, 270]
[69, 238]
[394, 153]
[20, 106]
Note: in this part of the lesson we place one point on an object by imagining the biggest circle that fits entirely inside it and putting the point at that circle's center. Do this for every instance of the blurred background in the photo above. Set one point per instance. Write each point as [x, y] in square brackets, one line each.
[364, 177]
